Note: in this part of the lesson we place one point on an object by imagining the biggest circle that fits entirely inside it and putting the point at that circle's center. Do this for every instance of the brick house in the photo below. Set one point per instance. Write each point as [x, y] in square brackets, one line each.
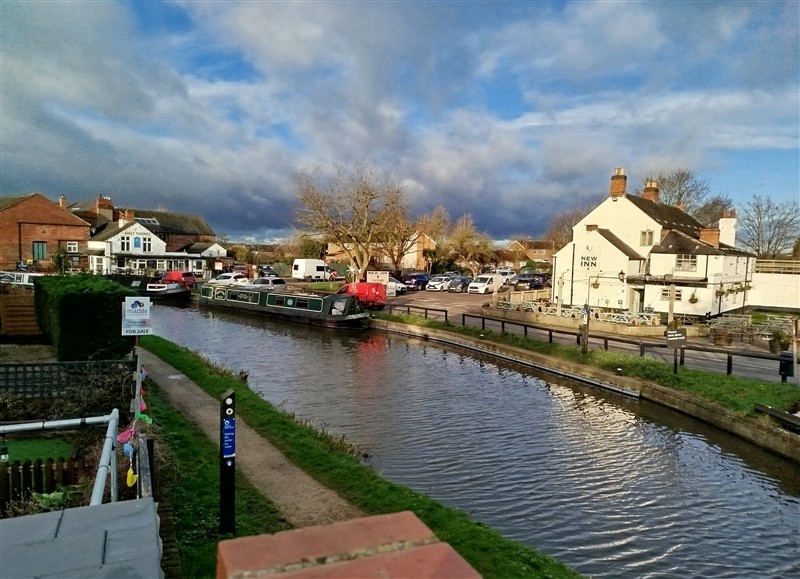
[33, 228]
[520, 251]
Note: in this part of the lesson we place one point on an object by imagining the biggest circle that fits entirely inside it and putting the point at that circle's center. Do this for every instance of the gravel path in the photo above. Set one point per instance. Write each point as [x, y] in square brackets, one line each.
[302, 500]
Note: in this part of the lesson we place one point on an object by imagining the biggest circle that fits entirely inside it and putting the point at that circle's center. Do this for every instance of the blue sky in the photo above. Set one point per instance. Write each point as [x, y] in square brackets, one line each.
[509, 111]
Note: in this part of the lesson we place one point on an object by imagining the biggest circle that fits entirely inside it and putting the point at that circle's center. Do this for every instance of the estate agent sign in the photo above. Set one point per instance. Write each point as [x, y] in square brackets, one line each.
[136, 317]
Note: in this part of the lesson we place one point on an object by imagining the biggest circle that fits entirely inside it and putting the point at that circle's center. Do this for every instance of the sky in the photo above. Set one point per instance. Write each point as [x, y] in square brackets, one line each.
[511, 112]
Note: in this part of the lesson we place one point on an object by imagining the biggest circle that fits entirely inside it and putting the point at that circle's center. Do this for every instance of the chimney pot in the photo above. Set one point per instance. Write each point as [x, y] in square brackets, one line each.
[650, 191]
[619, 183]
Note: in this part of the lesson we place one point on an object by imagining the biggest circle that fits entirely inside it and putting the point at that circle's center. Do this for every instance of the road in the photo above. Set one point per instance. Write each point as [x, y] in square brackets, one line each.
[714, 361]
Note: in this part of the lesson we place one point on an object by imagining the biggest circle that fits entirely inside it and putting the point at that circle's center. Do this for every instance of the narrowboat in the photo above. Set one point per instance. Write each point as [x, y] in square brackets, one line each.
[332, 311]
[154, 288]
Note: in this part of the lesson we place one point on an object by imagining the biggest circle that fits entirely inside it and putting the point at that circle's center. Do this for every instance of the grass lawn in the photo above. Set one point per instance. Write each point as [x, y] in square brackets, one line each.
[38, 448]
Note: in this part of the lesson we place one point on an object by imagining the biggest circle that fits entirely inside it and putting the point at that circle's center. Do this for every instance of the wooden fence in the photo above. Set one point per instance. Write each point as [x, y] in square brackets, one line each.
[19, 480]
[18, 316]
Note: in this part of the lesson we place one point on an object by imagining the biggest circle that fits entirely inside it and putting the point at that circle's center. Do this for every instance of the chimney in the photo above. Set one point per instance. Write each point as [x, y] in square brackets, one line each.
[710, 236]
[62, 202]
[650, 191]
[727, 227]
[619, 183]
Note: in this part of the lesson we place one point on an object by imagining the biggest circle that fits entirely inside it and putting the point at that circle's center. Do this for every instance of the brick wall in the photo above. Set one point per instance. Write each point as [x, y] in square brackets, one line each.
[36, 218]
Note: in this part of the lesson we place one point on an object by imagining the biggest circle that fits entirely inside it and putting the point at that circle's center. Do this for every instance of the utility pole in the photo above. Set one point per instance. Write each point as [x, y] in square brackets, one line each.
[670, 312]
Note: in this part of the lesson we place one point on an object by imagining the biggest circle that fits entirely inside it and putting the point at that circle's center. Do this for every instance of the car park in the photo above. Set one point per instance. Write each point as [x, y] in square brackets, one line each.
[416, 281]
[231, 278]
[438, 283]
[483, 284]
[458, 284]
[399, 287]
[184, 278]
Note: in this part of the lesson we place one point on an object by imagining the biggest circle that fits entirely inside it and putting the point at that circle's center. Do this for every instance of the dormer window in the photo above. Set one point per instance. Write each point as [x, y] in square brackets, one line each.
[646, 237]
[147, 220]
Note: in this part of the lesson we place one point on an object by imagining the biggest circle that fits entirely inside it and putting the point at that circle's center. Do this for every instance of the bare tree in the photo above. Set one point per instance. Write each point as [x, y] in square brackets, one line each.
[680, 187]
[352, 208]
[712, 209]
[560, 231]
[469, 248]
[769, 229]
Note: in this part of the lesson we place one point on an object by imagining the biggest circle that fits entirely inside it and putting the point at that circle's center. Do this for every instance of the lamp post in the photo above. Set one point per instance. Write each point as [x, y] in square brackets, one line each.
[586, 312]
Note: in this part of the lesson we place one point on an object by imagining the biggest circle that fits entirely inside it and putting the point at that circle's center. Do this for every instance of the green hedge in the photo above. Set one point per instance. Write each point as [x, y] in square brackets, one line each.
[82, 316]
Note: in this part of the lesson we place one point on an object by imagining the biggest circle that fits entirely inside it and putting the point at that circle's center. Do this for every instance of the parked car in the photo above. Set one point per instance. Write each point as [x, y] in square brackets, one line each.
[528, 281]
[267, 271]
[231, 278]
[438, 283]
[458, 284]
[483, 284]
[184, 278]
[271, 282]
[399, 287]
[242, 269]
[416, 281]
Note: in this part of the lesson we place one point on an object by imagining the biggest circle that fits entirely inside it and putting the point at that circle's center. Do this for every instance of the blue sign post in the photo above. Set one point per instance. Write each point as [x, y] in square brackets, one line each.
[227, 463]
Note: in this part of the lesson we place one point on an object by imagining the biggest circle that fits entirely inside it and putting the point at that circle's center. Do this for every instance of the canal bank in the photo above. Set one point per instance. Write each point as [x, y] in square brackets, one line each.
[760, 431]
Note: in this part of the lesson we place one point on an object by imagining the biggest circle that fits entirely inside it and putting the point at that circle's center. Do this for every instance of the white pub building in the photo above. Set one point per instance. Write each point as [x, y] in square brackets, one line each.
[632, 253]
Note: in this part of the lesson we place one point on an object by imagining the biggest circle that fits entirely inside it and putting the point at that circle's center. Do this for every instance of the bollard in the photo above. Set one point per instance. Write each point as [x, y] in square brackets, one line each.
[786, 365]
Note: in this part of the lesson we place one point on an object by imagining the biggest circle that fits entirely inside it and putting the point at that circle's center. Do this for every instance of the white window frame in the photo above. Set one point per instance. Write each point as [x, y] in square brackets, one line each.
[665, 294]
[685, 262]
[125, 243]
[72, 247]
[646, 237]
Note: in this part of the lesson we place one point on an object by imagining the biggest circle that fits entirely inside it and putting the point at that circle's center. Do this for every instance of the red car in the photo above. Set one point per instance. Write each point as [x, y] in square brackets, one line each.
[371, 295]
[185, 278]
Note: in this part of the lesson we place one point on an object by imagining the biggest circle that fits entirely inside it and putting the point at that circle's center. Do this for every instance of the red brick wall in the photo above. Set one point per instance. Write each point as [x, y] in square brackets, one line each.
[36, 218]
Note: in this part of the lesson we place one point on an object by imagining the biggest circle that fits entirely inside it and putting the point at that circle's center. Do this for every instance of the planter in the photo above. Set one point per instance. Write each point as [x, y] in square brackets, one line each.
[723, 339]
[778, 346]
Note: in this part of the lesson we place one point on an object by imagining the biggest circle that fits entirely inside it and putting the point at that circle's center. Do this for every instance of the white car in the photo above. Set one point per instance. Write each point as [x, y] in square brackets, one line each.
[483, 284]
[439, 283]
[399, 287]
[231, 279]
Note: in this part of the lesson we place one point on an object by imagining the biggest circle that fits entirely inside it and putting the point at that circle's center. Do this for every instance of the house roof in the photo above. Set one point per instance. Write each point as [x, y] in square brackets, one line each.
[6, 202]
[677, 242]
[668, 216]
[629, 252]
[111, 229]
[198, 247]
[165, 222]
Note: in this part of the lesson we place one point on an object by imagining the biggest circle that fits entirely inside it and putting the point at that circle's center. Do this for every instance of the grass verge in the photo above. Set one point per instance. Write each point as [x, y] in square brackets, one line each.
[739, 395]
[485, 549]
[191, 485]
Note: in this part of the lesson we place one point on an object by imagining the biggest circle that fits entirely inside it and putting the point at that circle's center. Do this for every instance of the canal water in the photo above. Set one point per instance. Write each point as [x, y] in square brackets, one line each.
[611, 486]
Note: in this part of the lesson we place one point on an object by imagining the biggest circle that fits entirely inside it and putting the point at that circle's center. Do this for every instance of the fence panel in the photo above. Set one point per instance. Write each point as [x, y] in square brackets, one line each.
[49, 379]
[19, 480]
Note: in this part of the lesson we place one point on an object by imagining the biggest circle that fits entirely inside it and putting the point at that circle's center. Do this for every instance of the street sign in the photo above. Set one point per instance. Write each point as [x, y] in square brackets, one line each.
[676, 338]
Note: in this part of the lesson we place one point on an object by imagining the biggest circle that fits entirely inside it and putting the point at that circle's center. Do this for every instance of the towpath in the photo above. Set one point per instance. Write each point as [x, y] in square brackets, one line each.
[301, 499]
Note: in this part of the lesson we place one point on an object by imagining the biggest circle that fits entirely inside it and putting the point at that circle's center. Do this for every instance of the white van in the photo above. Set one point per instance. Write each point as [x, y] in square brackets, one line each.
[311, 270]
[483, 284]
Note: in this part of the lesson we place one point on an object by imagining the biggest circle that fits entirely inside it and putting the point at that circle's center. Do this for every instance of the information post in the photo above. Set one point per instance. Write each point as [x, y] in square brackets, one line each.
[227, 463]
[676, 339]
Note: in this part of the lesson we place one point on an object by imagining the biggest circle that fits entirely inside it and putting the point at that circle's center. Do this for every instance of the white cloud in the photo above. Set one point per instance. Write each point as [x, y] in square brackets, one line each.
[508, 112]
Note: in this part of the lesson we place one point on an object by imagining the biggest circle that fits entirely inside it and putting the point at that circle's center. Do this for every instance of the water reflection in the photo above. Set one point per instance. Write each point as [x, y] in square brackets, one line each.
[611, 486]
